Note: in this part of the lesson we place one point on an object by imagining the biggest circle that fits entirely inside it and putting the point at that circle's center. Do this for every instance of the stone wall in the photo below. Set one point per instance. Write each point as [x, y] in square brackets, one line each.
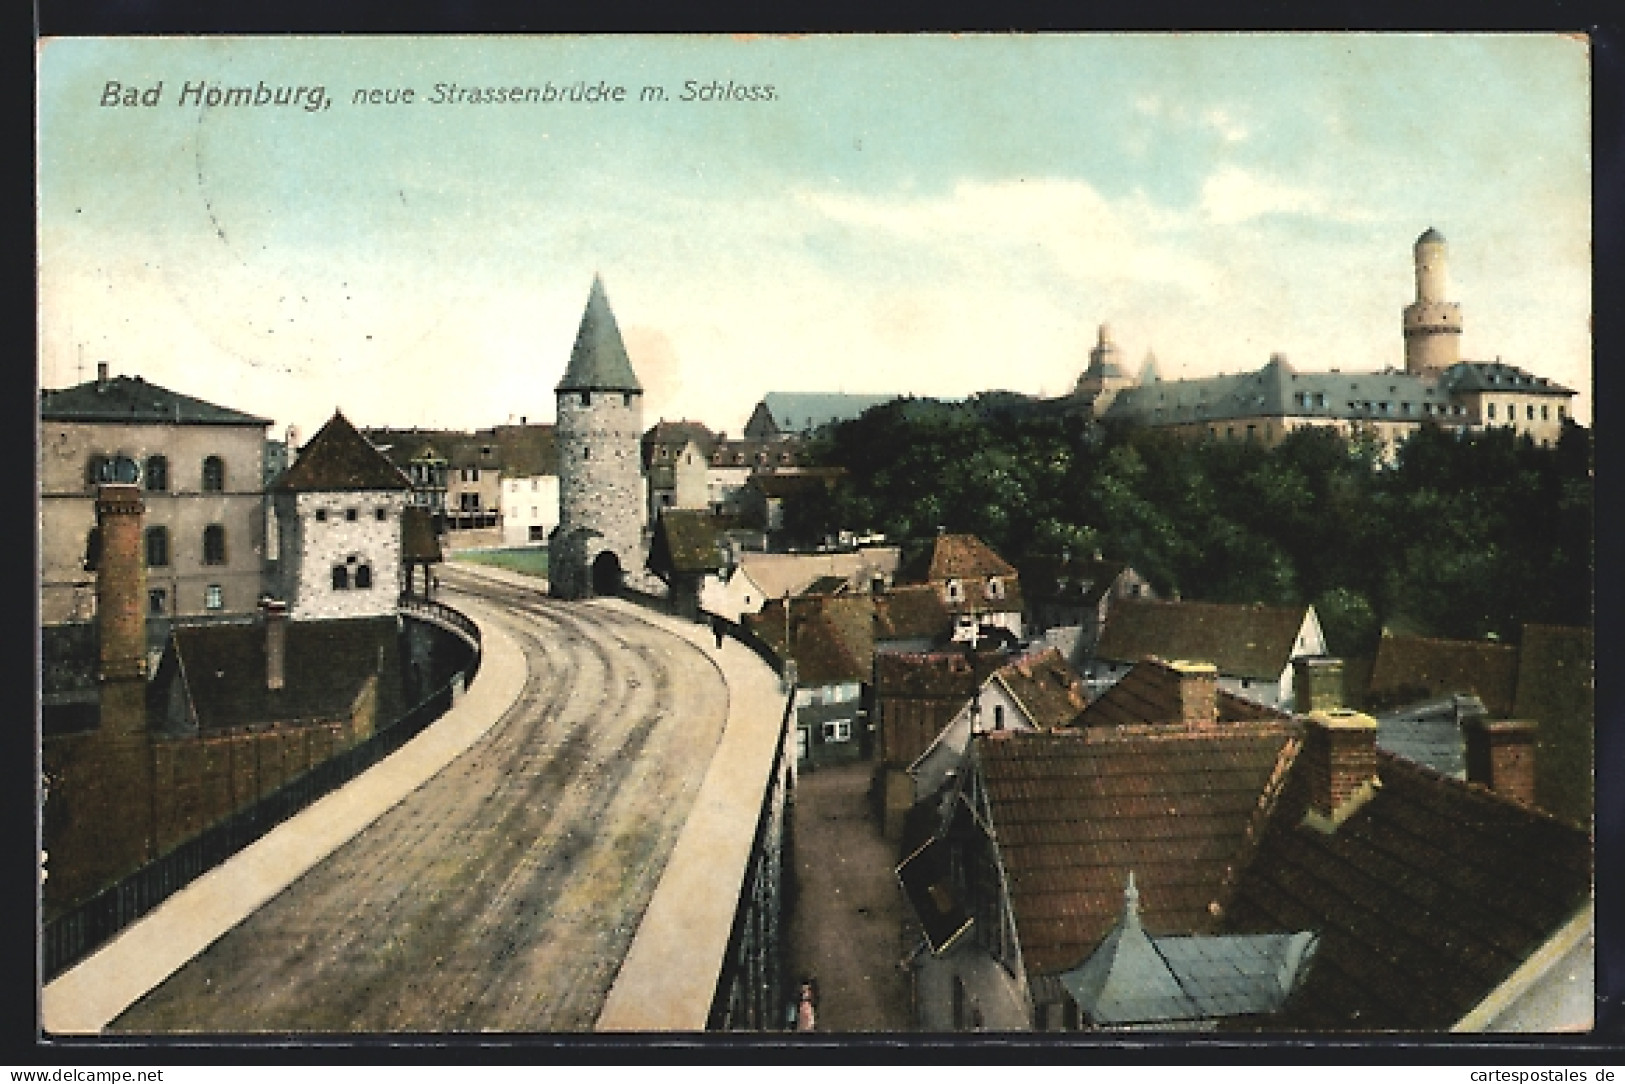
[312, 547]
[601, 492]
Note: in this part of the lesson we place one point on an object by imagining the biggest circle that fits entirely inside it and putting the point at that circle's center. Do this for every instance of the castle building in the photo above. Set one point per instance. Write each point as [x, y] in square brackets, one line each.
[1435, 386]
[599, 428]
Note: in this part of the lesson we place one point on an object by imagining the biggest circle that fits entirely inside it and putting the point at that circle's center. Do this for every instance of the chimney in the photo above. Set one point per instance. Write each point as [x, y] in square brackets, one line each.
[276, 642]
[1198, 693]
[101, 373]
[1340, 755]
[121, 614]
[1501, 756]
[1317, 684]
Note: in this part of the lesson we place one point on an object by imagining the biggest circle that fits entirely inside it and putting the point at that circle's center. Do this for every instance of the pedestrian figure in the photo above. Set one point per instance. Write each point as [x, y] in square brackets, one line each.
[716, 630]
[807, 1007]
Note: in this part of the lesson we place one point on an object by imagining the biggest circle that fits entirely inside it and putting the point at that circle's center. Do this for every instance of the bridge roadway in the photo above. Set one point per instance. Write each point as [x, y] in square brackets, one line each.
[503, 894]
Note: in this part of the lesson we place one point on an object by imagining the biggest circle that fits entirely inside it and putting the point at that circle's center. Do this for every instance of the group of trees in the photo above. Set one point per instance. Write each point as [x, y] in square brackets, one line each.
[1467, 536]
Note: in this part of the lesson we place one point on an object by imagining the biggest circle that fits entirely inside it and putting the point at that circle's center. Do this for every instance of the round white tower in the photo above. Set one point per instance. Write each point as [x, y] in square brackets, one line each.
[1432, 325]
[599, 426]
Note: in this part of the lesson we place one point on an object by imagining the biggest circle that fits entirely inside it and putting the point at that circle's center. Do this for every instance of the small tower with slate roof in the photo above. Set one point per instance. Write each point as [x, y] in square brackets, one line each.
[599, 428]
[1432, 325]
[1106, 375]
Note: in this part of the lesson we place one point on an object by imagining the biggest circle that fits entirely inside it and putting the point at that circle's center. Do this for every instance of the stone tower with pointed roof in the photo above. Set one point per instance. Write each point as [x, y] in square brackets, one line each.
[599, 426]
[338, 522]
[1432, 325]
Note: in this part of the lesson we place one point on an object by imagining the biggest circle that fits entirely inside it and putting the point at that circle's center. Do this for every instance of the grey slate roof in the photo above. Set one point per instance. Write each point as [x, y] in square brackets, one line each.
[132, 399]
[1278, 390]
[1134, 978]
[1430, 734]
[801, 412]
[599, 362]
[1498, 376]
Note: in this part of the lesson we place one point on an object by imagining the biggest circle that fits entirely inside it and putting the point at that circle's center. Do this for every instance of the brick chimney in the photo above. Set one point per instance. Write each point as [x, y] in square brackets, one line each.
[1340, 755]
[1198, 693]
[1317, 684]
[276, 642]
[121, 615]
[1501, 756]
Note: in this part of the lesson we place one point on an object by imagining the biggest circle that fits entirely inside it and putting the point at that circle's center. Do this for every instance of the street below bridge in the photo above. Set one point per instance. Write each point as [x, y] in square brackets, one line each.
[503, 894]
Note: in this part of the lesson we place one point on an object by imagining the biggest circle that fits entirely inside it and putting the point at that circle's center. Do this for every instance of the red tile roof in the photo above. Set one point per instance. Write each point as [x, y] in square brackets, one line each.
[959, 556]
[1242, 641]
[1427, 898]
[910, 612]
[831, 639]
[1409, 668]
[1149, 693]
[1046, 688]
[1074, 811]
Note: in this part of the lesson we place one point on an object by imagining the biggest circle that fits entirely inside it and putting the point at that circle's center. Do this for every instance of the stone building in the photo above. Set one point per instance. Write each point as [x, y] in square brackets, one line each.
[599, 428]
[338, 511]
[1435, 386]
[199, 469]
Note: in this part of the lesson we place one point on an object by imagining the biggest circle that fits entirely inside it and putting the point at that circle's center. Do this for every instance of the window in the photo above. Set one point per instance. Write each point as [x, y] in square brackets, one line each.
[1545, 414]
[380, 514]
[93, 549]
[838, 730]
[586, 398]
[954, 592]
[214, 475]
[586, 453]
[321, 515]
[998, 716]
[213, 597]
[1529, 412]
[995, 587]
[1562, 412]
[157, 547]
[157, 601]
[157, 473]
[341, 578]
[626, 398]
[1490, 412]
[214, 544]
[533, 485]
[363, 577]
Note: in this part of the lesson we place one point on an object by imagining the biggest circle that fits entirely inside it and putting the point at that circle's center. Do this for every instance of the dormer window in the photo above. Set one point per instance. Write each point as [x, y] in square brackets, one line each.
[955, 591]
[995, 587]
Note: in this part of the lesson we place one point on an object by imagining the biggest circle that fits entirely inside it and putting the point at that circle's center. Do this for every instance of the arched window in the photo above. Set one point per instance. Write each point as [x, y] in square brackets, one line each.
[341, 578]
[157, 474]
[363, 577]
[214, 475]
[157, 547]
[214, 544]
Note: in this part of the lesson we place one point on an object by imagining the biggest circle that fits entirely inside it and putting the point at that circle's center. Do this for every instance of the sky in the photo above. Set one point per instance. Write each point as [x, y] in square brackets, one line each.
[930, 215]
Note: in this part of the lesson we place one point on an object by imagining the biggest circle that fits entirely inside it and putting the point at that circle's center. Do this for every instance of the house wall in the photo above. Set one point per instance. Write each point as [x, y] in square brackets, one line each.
[739, 596]
[821, 712]
[311, 547]
[530, 509]
[67, 513]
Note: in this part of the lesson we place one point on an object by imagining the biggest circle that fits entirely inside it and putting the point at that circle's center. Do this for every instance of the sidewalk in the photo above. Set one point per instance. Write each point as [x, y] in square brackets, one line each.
[84, 999]
[670, 973]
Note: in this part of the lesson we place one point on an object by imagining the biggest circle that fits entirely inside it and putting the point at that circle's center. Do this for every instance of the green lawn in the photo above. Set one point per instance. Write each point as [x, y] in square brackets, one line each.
[532, 561]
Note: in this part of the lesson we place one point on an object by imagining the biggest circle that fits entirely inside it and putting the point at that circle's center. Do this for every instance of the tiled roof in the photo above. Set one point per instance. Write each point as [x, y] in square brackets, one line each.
[944, 675]
[1430, 733]
[1242, 641]
[1078, 580]
[131, 399]
[326, 665]
[688, 541]
[675, 436]
[911, 612]
[339, 458]
[1046, 688]
[790, 452]
[1419, 668]
[957, 556]
[598, 362]
[527, 451]
[831, 639]
[1498, 376]
[1074, 811]
[1426, 898]
[785, 481]
[1149, 694]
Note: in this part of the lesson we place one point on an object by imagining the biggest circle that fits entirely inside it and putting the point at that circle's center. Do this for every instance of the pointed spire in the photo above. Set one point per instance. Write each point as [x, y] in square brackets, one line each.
[1149, 371]
[599, 361]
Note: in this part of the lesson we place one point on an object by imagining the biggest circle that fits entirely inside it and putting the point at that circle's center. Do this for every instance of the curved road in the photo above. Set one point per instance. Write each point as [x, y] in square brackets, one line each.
[503, 894]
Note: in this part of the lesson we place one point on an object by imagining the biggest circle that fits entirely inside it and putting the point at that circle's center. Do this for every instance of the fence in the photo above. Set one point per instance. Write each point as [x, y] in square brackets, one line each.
[79, 932]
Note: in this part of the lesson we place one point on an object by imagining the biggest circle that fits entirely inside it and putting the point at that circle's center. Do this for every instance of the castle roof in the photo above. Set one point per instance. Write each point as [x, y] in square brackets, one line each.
[1431, 237]
[131, 399]
[599, 361]
[1278, 390]
[1498, 376]
[340, 458]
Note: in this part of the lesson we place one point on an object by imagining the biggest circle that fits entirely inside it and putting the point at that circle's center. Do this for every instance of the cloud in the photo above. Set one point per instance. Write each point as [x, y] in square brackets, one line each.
[1229, 128]
[1232, 195]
